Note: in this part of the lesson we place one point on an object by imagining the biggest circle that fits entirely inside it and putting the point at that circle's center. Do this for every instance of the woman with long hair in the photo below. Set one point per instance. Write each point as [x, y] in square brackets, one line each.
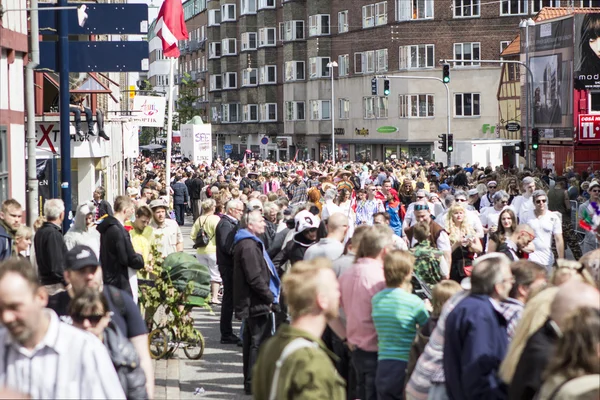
[507, 224]
[589, 62]
[465, 243]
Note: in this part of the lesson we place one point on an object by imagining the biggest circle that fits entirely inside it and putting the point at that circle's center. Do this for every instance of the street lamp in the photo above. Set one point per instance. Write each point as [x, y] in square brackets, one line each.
[331, 65]
[526, 23]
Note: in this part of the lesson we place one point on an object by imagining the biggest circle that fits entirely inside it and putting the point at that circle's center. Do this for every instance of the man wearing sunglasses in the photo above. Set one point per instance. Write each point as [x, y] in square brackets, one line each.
[487, 200]
[545, 225]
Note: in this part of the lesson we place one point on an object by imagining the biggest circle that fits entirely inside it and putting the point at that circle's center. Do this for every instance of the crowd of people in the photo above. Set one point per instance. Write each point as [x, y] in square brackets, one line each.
[392, 280]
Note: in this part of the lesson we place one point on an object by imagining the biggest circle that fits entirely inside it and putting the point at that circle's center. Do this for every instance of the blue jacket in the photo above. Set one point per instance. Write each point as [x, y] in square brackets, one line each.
[5, 244]
[180, 193]
[475, 344]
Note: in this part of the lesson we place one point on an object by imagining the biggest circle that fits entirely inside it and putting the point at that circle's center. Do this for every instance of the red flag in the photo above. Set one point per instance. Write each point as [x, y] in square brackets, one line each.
[171, 27]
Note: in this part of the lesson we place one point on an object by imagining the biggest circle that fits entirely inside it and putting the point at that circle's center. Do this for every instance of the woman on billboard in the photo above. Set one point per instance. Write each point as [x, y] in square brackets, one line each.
[588, 73]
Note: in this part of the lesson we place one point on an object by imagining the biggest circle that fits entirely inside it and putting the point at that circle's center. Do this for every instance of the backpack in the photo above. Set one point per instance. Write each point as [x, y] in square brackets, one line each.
[291, 347]
[126, 362]
[202, 238]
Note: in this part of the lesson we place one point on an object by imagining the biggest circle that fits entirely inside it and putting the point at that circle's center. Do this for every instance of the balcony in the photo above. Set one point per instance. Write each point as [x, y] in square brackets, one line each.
[194, 45]
[194, 75]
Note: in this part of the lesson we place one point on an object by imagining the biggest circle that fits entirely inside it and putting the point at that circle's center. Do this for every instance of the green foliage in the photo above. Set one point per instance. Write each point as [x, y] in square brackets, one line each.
[188, 94]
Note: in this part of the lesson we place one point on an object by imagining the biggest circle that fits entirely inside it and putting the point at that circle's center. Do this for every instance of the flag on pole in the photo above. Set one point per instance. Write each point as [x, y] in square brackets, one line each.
[170, 27]
[296, 155]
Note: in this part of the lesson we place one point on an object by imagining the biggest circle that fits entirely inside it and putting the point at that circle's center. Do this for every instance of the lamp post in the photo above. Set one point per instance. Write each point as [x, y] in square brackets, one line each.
[526, 23]
[331, 65]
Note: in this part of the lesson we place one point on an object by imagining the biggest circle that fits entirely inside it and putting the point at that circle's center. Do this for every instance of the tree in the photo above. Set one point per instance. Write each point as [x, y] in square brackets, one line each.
[188, 94]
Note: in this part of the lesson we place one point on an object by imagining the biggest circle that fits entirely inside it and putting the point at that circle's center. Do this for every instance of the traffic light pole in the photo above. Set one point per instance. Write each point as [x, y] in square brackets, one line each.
[529, 102]
[448, 120]
[65, 125]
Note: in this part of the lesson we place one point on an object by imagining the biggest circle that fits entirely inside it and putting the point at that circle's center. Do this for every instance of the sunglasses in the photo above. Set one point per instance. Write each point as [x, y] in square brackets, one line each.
[540, 201]
[492, 187]
[80, 318]
[461, 200]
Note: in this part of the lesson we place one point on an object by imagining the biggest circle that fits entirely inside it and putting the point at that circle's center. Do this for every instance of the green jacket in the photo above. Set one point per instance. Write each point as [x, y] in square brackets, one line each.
[307, 373]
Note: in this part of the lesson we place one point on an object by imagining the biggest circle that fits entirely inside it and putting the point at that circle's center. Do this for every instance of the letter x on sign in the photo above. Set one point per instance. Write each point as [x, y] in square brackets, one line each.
[46, 137]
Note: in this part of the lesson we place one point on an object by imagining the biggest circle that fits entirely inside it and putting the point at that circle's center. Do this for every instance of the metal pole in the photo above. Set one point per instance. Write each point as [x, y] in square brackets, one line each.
[332, 119]
[169, 126]
[65, 136]
[34, 60]
[448, 108]
[527, 101]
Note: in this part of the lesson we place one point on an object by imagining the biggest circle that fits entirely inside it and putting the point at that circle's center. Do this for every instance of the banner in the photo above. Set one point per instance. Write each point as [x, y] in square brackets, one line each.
[589, 129]
[587, 51]
[48, 142]
[149, 111]
[196, 143]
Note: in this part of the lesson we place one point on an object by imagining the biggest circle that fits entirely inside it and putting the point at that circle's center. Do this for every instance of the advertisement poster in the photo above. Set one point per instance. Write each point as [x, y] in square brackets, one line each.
[589, 129]
[587, 51]
[196, 143]
[148, 111]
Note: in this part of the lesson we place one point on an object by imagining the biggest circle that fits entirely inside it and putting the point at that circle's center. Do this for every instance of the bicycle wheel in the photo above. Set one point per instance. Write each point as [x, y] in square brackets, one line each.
[158, 344]
[194, 347]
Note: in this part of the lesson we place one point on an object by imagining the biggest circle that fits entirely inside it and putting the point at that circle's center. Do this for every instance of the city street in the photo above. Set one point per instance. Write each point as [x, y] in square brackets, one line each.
[218, 374]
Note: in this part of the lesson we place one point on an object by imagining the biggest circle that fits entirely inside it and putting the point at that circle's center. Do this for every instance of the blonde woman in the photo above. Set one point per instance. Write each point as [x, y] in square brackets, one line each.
[465, 243]
[207, 255]
[23, 238]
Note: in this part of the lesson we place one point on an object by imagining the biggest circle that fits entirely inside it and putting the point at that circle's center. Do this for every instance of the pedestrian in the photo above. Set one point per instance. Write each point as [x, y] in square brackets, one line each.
[591, 240]
[256, 290]
[167, 233]
[195, 190]
[10, 220]
[332, 246]
[116, 251]
[34, 338]
[50, 248]
[103, 207]
[23, 238]
[305, 236]
[524, 203]
[84, 230]
[438, 236]
[295, 364]
[181, 198]
[518, 244]
[206, 253]
[430, 264]
[558, 202]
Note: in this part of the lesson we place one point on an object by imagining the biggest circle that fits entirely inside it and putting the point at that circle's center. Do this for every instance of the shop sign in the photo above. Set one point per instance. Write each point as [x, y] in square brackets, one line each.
[589, 129]
[361, 132]
[387, 129]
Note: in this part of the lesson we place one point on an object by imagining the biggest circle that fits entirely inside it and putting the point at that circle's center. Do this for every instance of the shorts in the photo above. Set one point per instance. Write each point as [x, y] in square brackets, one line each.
[210, 260]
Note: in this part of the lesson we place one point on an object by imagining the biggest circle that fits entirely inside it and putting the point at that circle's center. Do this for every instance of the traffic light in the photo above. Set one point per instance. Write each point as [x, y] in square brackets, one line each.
[374, 86]
[443, 142]
[386, 87]
[535, 138]
[446, 73]
[450, 145]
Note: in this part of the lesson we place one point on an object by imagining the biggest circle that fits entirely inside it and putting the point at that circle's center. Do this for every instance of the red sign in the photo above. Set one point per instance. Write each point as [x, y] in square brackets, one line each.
[589, 129]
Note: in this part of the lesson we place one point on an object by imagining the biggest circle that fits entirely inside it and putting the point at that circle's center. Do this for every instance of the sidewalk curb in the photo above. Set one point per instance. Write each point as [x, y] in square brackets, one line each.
[166, 379]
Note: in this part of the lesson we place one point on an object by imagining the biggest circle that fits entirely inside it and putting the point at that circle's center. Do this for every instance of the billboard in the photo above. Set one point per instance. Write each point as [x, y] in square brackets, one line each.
[148, 111]
[589, 129]
[587, 51]
[196, 143]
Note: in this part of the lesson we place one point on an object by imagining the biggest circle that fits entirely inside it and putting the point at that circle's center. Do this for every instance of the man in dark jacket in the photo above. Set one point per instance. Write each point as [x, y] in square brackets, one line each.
[102, 206]
[225, 232]
[476, 339]
[10, 220]
[256, 290]
[180, 198]
[307, 225]
[195, 189]
[116, 250]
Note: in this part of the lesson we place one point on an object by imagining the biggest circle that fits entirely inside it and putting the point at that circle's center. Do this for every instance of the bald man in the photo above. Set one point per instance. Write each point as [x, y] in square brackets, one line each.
[527, 379]
[332, 246]
[514, 245]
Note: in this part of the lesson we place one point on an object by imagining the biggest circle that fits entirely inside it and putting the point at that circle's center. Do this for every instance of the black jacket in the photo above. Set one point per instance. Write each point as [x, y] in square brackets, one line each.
[251, 294]
[293, 252]
[180, 193]
[104, 208]
[6, 242]
[195, 188]
[225, 231]
[50, 251]
[116, 254]
[527, 379]
[269, 235]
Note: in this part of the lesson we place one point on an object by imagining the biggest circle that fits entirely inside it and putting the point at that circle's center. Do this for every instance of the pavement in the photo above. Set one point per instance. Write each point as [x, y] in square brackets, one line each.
[217, 375]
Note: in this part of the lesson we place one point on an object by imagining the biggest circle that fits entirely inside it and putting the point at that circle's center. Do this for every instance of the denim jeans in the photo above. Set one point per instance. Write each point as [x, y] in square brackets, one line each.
[88, 118]
[365, 365]
[390, 379]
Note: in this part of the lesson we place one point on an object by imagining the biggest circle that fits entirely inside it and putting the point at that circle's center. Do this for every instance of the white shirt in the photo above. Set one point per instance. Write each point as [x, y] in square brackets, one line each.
[544, 227]
[68, 363]
[167, 236]
[485, 202]
[523, 205]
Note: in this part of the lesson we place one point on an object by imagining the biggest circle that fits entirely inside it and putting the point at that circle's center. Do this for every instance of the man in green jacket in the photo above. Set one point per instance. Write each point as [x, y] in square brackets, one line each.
[306, 369]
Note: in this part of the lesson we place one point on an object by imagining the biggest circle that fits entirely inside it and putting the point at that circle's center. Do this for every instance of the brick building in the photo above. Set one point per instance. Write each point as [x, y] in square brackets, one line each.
[264, 68]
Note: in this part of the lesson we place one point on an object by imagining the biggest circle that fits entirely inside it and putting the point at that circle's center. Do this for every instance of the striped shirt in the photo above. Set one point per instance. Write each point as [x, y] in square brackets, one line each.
[396, 314]
[68, 363]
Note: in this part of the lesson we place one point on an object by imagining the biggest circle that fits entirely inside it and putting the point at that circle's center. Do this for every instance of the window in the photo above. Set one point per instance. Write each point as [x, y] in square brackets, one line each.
[343, 21]
[230, 80]
[466, 8]
[214, 50]
[514, 74]
[587, 3]
[214, 17]
[364, 62]
[249, 77]
[294, 111]
[229, 47]
[467, 105]
[266, 37]
[503, 45]
[294, 71]
[537, 5]
[249, 41]
[418, 56]
[375, 107]
[318, 67]
[216, 82]
[467, 52]
[318, 25]
[374, 14]
[268, 112]
[416, 105]
[320, 109]
[227, 12]
[381, 57]
[230, 113]
[266, 4]
[268, 74]
[414, 9]
[247, 7]
[3, 164]
[293, 30]
[513, 7]
[344, 65]
[250, 112]
[344, 109]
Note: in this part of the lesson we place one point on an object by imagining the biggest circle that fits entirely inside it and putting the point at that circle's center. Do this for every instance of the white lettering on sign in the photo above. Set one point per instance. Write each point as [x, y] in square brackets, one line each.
[589, 128]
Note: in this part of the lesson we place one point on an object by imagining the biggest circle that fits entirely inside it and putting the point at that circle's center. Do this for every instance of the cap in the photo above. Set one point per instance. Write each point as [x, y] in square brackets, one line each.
[593, 184]
[443, 186]
[473, 192]
[158, 203]
[80, 257]
[306, 220]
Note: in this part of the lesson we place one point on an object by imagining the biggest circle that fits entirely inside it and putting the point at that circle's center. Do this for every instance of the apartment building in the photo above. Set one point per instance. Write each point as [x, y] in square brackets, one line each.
[264, 72]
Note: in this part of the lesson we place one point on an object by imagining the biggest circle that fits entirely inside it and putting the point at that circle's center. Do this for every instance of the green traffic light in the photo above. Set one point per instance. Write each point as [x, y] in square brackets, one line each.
[534, 146]
[449, 148]
[446, 79]
[386, 92]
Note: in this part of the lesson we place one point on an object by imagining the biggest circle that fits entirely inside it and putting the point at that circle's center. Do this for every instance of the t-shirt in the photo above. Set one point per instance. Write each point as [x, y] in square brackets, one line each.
[328, 248]
[131, 323]
[544, 228]
[396, 314]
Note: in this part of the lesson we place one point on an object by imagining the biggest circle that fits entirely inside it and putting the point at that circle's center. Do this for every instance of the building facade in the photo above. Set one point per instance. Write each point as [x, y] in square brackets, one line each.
[264, 70]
